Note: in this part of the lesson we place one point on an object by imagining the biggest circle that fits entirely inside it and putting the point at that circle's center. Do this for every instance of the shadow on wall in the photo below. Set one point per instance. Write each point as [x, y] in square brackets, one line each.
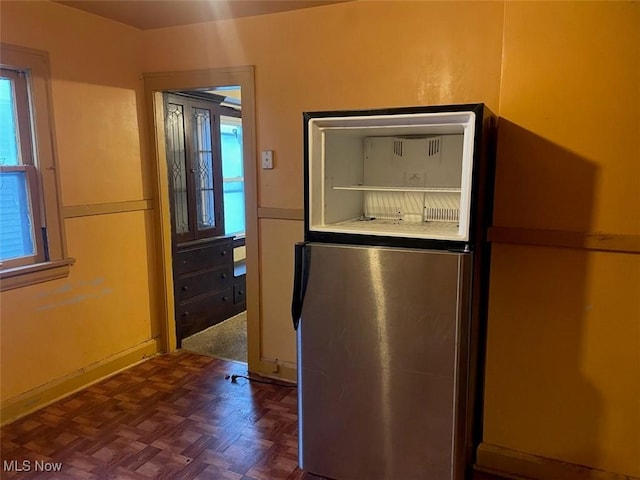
[540, 184]
[536, 399]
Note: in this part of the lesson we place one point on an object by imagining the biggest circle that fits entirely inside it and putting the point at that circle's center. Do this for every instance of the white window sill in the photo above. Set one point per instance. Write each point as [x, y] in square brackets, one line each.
[17, 277]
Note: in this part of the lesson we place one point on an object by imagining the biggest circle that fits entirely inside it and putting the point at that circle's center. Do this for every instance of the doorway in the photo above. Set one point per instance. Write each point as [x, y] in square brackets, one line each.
[203, 131]
[204, 245]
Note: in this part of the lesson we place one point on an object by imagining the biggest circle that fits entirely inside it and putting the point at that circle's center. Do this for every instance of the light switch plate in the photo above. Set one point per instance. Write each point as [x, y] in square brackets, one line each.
[267, 159]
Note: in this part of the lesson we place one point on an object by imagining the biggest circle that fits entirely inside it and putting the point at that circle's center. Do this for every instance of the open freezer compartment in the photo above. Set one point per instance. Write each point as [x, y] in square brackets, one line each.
[395, 174]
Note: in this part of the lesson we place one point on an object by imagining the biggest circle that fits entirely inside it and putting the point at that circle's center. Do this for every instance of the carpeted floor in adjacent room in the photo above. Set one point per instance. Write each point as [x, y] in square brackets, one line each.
[227, 340]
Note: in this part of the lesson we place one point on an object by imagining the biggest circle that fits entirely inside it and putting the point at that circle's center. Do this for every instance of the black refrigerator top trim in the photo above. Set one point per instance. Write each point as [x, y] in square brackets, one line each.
[468, 107]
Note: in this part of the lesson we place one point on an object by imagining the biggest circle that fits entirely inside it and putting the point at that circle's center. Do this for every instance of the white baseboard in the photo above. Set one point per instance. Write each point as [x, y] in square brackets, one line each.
[519, 465]
[25, 403]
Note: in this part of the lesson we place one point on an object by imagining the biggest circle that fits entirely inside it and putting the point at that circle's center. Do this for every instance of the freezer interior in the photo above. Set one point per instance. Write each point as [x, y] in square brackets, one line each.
[393, 175]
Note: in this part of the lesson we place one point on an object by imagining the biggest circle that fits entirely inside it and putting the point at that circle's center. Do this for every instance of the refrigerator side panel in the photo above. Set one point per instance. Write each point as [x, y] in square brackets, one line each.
[378, 352]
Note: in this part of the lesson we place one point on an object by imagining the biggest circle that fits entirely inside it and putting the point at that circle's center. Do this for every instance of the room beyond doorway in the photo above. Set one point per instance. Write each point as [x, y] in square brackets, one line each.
[204, 154]
[226, 340]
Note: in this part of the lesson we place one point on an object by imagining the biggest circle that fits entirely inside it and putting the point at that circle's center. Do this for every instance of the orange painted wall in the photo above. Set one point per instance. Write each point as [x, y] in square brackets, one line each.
[564, 325]
[106, 306]
[569, 104]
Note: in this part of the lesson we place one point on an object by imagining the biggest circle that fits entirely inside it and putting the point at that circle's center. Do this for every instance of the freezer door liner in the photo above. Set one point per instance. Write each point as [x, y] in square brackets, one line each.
[399, 174]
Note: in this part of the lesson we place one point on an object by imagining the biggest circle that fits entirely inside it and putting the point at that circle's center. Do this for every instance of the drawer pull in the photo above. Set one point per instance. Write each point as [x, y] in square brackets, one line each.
[223, 276]
[223, 253]
[225, 298]
[185, 288]
[185, 314]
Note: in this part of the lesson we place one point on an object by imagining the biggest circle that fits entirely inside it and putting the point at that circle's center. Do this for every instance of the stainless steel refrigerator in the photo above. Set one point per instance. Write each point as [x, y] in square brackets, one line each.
[390, 291]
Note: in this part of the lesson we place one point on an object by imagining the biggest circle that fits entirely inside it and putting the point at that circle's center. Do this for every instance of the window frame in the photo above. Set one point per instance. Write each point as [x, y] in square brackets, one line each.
[21, 95]
[51, 261]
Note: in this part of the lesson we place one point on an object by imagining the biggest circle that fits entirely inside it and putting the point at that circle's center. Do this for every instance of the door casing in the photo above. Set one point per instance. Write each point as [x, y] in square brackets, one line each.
[154, 85]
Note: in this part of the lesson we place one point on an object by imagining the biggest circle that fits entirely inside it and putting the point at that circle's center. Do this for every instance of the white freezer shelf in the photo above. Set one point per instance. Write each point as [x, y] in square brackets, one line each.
[380, 188]
[396, 228]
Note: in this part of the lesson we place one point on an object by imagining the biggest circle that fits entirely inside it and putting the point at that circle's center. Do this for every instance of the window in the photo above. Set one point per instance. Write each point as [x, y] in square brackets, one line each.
[31, 234]
[204, 154]
[233, 175]
[20, 233]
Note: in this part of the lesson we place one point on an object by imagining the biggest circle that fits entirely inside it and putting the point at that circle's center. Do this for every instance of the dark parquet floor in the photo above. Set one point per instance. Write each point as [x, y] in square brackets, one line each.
[172, 417]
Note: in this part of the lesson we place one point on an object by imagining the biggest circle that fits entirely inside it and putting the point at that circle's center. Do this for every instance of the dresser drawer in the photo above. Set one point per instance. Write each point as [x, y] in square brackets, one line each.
[204, 257]
[209, 281]
[239, 290]
[202, 312]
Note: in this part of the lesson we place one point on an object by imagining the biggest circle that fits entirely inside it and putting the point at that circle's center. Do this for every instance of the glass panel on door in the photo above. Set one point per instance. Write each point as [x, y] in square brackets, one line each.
[176, 157]
[204, 169]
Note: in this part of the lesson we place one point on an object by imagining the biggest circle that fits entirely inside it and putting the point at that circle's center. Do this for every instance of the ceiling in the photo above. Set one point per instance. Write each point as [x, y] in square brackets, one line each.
[148, 14]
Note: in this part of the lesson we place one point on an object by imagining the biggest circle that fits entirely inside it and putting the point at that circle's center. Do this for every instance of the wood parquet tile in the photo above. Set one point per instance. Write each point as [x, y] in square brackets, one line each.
[172, 417]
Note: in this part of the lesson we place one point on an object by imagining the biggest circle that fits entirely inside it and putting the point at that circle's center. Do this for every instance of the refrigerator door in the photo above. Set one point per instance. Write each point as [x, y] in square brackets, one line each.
[379, 378]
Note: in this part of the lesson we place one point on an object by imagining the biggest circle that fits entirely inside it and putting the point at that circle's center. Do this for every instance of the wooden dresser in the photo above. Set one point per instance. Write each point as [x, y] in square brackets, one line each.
[206, 289]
